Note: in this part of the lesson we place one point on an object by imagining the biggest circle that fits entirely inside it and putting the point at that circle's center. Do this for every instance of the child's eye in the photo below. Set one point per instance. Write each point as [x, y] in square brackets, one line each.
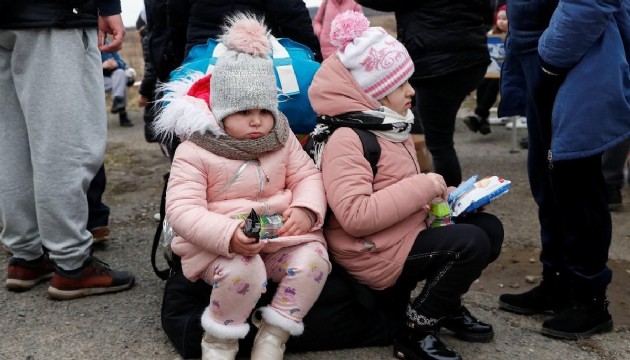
[243, 112]
[266, 112]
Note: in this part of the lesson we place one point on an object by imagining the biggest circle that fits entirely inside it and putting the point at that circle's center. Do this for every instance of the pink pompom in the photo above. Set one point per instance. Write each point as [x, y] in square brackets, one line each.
[247, 34]
[346, 27]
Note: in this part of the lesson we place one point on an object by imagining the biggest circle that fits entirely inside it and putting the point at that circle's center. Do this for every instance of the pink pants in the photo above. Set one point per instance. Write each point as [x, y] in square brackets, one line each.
[237, 283]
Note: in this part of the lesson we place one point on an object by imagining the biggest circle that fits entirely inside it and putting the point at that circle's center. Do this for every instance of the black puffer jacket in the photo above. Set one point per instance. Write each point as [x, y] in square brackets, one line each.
[193, 22]
[37, 14]
[442, 36]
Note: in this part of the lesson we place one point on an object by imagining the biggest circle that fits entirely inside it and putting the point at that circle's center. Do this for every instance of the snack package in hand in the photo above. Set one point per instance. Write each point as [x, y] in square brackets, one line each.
[261, 227]
[470, 198]
[252, 225]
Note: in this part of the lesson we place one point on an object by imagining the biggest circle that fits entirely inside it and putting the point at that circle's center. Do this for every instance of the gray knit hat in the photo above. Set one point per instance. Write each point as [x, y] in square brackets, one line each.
[243, 77]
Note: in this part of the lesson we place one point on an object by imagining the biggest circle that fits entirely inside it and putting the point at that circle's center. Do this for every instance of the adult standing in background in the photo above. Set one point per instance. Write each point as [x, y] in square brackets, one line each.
[53, 133]
[573, 58]
[447, 42]
[193, 22]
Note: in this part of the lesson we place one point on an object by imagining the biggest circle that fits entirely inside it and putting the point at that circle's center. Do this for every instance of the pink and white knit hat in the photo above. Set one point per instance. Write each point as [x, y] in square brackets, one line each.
[378, 62]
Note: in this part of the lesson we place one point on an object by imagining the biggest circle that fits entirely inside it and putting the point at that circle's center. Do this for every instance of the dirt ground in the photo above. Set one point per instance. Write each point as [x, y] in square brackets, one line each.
[127, 325]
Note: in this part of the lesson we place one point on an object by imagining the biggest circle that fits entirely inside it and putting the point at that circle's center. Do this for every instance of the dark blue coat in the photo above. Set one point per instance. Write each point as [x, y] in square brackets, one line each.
[589, 41]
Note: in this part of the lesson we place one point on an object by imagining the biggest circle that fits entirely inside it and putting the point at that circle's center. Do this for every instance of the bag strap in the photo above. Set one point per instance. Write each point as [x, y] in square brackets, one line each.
[371, 148]
[282, 62]
[162, 274]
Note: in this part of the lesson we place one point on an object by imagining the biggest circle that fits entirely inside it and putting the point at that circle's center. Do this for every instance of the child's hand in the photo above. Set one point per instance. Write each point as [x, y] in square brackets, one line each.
[438, 184]
[241, 244]
[296, 222]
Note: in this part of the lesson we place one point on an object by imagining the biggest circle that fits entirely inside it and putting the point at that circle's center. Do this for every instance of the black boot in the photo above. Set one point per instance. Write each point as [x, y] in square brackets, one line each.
[484, 126]
[118, 105]
[584, 318]
[466, 327]
[472, 122]
[551, 295]
[422, 343]
[124, 120]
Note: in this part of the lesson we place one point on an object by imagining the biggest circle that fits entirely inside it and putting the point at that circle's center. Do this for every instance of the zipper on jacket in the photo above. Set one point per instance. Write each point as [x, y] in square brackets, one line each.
[550, 159]
[262, 178]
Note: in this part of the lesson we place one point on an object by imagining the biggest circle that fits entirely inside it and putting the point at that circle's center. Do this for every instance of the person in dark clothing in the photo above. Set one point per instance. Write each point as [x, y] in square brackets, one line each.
[448, 45]
[193, 22]
[554, 48]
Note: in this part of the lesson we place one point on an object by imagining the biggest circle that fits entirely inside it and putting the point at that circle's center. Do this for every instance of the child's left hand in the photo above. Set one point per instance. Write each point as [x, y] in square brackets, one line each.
[296, 222]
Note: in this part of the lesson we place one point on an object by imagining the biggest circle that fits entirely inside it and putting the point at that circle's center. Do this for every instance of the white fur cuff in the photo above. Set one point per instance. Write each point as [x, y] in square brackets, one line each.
[221, 331]
[273, 317]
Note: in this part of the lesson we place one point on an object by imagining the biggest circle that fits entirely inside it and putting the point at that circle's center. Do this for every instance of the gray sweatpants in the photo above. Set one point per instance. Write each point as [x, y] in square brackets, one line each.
[117, 84]
[53, 133]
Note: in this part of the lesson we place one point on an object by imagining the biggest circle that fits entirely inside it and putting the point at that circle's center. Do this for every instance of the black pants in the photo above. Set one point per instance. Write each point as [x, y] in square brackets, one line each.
[98, 212]
[486, 97]
[449, 258]
[437, 100]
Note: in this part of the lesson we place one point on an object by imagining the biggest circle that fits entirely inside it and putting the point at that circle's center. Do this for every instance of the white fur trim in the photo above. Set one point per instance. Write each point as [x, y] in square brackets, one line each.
[273, 317]
[183, 115]
[221, 331]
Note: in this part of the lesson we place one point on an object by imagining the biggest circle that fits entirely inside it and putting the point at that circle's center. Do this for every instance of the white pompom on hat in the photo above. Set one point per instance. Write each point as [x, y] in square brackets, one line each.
[378, 62]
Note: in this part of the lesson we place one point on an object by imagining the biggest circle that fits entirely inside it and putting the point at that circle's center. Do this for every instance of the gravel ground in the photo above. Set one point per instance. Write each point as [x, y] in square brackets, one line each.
[127, 325]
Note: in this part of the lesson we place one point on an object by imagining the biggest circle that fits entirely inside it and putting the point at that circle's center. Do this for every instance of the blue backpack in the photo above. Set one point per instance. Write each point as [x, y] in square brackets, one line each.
[294, 66]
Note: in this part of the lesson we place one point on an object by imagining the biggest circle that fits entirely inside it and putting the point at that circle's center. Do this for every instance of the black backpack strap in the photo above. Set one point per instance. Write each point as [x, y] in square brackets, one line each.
[371, 148]
[162, 274]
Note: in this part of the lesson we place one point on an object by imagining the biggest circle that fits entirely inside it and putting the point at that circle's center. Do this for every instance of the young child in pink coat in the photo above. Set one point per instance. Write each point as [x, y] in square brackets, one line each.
[324, 17]
[380, 230]
[239, 154]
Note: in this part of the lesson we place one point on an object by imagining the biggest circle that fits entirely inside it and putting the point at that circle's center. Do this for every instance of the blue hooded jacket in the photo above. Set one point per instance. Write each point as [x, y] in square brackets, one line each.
[589, 41]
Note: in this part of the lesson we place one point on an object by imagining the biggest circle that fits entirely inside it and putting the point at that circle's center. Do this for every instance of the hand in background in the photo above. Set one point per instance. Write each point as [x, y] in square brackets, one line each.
[112, 25]
[241, 244]
[142, 101]
[296, 222]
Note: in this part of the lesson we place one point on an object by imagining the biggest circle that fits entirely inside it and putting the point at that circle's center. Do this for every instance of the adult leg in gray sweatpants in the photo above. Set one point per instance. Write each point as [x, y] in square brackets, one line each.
[53, 132]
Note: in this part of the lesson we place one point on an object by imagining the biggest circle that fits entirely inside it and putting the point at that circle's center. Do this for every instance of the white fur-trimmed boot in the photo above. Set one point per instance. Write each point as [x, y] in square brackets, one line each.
[220, 342]
[273, 333]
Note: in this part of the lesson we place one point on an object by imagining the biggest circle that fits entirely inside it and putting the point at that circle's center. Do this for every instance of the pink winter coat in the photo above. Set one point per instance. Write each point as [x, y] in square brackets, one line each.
[375, 220]
[205, 190]
[324, 17]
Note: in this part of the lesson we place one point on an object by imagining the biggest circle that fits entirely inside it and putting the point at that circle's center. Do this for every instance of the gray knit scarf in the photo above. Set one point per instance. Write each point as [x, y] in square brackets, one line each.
[228, 147]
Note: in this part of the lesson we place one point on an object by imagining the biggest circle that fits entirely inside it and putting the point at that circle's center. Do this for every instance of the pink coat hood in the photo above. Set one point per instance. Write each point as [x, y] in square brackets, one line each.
[375, 220]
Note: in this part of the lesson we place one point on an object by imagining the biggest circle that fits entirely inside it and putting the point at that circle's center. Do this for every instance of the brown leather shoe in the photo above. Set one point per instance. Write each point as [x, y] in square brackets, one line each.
[100, 234]
[94, 277]
[24, 275]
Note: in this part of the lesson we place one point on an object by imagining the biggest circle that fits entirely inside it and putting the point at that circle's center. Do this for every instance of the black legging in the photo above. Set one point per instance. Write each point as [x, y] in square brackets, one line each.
[437, 100]
[449, 258]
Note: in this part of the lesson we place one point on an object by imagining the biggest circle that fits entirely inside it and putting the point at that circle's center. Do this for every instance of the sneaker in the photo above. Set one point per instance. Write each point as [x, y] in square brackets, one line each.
[24, 275]
[94, 277]
[541, 299]
[580, 321]
[99, 234]
[521, 123]
[615, 202]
